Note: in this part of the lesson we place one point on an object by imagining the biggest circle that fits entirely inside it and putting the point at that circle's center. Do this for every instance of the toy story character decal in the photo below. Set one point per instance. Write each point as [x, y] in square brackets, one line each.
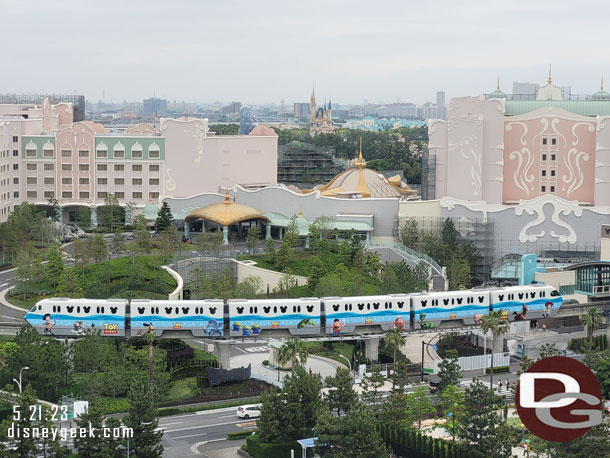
[48, 327]
[149, 328]
[521, 316]
[337, 326]
[213, 328]
[423, 323]
[78, 328]
[399, 323]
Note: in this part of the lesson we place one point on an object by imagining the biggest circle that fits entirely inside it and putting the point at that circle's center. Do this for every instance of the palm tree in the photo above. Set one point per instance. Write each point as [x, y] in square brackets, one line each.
[394, 340]
[150, 338]
[591, 319]
[293, 351]
[498, 326]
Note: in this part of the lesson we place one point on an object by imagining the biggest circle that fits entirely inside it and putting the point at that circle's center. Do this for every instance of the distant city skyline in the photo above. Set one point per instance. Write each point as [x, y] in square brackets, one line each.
[261, 53]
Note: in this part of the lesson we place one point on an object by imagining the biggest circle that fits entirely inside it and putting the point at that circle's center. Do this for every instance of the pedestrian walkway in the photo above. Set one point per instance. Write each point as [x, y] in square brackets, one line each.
[323, 366]
[499, 386]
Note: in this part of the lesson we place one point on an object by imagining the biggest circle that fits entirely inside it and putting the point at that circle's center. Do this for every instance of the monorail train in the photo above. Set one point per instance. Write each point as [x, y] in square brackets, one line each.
[303, 316]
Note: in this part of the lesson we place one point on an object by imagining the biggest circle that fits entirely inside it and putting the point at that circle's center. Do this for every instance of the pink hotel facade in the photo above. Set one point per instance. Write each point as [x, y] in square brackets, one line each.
[44, 155]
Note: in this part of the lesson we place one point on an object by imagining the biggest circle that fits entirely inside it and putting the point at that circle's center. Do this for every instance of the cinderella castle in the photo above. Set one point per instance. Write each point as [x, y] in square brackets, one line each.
[321, 118]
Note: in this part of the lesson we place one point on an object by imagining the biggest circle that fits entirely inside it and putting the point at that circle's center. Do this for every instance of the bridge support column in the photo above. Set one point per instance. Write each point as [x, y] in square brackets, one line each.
[223, 351]
[371, 347]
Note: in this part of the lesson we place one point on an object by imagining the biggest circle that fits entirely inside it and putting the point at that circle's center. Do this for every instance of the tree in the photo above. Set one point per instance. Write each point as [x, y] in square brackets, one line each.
[23, 446]
[118, 243]
[254, 234]
[83, 217]
[142, 237]
[293, 352]
[329, 285]
[498, 326]
[599, 363]
[164, 218]
[53, 210]
[112, 213]
[93, 447]
[272, 417]
[352, 435]
[418, 405]
[548, 350]
[55, 266]
[449, 235]
[452, 405]
[284, 255]
[170, 240]
[143, 419]
[23, 275]
[341, 396]
[394, 340]
[394, 413]
[69, 285]
[249, 288]
[481, 425]
[371, 385]
[449, 373]
[399, 377]
[591, 320]
[82, 253]
[409, 234]
[98, 248]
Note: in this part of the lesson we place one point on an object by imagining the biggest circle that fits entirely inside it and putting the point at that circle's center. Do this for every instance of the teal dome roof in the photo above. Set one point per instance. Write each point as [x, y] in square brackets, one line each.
[601, 95]
[497, 94]
[302, 225]
[150, 211]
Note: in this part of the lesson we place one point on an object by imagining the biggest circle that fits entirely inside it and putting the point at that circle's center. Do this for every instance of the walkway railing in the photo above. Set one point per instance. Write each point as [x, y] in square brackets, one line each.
[410, 254]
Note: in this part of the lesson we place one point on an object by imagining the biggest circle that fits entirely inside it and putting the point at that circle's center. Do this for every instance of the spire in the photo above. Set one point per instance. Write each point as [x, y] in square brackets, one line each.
[312, 99]
[550, 80]
[227, 197]
[300, 212]
[602, 85]
[329, 105]
[498, 85]
[360, 163]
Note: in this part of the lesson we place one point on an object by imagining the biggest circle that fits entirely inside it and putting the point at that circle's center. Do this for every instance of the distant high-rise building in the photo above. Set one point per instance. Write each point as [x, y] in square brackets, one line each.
[154, 106]
[77, 101]
[440, 98]
[301, 110]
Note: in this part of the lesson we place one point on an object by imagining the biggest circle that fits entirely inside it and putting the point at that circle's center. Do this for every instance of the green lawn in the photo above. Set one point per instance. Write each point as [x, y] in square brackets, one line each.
[339, 348]
[182, 389]
[201, 355]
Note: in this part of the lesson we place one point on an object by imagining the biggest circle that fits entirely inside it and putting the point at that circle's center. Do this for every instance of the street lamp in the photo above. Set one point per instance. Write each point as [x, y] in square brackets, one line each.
[348, 362]
[522, 433]
[18, 382]
[423, 345]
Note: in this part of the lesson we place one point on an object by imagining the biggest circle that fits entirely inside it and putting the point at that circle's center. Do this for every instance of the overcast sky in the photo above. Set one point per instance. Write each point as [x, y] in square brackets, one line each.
[265, 51]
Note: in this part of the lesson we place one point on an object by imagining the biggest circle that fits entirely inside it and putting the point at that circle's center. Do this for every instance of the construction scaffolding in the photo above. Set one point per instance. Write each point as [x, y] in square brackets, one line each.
[428, 175]
[77, 101]
[305, 165]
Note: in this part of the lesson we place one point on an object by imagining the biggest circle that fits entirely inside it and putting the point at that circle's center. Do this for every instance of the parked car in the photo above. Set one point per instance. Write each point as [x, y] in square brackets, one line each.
[249, 411]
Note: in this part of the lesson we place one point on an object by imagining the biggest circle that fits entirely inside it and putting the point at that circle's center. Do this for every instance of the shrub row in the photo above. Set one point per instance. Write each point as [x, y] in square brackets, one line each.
[411, 443]
[240, 434]
[599, 343]
[258, 449]
[497, 370]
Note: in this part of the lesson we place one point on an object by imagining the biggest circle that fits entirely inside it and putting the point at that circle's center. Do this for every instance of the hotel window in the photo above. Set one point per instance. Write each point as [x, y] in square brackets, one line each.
[49, 167]
[153, 181]
[49, 194]
[101, 152]
[15, 152]
[552, 188]
[137, 181]
[136, 152]
[153, 195]
[16, 180]
[83, 167]
[102, 195]
[119, 167]
[83, 181]
[102, 181]
[552, 172]
[136, 168]
[119, 195]
[47, 152]
[120, 181]
[83, 195]
[32, 194]
[16, 194]
[66, 195]
[553, 141]
[544, 140]
[543, 173]
[553, 157]
[30, 152]
[153, 152]
[66, 180]
[544, 157]
[66, 153]
[31, 167]
[136, 195]
[15, 138]
[16, 166]
[543, 188]
[31, 180]
[102, 167]
[83, 153]
[153, 168]
[66, 167]
[49, 180]
[118, 151]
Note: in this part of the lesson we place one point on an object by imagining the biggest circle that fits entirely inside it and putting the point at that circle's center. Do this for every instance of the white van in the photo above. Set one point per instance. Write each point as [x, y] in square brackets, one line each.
[249, 411]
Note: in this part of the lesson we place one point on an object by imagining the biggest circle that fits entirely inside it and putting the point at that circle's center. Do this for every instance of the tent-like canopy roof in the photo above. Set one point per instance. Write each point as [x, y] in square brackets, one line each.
[226, 213]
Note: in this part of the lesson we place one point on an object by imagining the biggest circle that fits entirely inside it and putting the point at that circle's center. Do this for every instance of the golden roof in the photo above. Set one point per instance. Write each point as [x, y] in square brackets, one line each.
[226, 213]
[367, 182]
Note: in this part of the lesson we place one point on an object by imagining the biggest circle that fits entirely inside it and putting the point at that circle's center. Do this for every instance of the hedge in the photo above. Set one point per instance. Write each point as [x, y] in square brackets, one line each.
[240, 434]
[599, 343]
[497, 370]
[258, 449]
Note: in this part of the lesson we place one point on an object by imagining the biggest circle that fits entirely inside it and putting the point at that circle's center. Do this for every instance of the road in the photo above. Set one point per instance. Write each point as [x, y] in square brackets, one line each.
[183, 434]
[7, 280]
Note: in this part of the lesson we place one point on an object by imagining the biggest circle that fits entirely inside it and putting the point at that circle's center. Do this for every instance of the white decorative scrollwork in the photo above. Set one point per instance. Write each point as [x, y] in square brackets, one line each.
[520, 176]
[591, 128]
[509, 127]
[170, 184]
[471, 154]
[576, 178]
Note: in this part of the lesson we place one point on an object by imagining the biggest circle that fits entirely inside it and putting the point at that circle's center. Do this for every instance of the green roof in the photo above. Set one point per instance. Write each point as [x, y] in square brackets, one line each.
[353, 226]
[278, 219]
[581, 107]
[150, 211]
